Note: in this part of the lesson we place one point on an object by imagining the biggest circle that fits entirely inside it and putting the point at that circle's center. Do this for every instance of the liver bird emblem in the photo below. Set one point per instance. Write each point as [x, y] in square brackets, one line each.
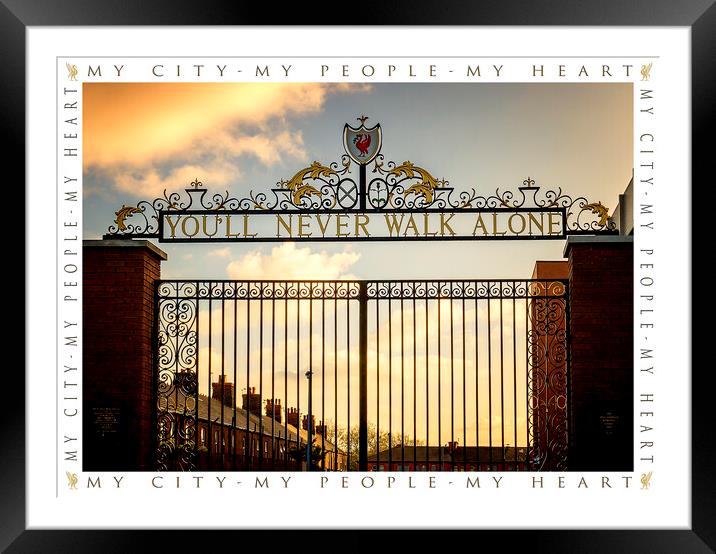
[645, 478]
[646, 72]
[71, 71]
[362, 142]
[71, 480]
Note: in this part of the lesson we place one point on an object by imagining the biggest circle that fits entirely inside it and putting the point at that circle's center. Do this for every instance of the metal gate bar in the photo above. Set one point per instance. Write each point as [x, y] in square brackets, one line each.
[503, 342]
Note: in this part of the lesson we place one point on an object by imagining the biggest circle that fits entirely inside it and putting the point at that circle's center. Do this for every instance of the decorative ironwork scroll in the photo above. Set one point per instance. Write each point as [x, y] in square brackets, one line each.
[367, 189]
[176, 377]
[547, 412]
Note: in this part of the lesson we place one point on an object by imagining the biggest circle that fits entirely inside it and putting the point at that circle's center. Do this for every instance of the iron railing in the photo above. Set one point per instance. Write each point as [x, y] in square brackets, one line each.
[426, 375]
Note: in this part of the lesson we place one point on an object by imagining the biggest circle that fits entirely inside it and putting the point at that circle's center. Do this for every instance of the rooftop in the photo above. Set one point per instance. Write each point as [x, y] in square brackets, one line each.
[460, 454]
[222, 414]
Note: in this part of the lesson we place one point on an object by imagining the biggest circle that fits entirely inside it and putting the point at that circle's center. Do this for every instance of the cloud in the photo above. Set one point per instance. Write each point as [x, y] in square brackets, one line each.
[220, 252]
[289, 262]
[150, 136]
[268, 148]
[217, 164]
[150, 181]
[137, 123]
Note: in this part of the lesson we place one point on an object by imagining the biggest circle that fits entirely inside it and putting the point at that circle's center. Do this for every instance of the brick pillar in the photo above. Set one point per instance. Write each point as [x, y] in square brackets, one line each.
[601, 355]
[118, 335]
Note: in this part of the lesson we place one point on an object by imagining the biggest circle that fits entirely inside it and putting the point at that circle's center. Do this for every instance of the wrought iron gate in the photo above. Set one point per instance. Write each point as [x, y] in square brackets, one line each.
[459, 375]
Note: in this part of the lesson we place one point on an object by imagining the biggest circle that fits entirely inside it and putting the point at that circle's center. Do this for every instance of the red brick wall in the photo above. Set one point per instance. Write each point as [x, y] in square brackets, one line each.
[602, 376]
[118, 316]
[550, 269]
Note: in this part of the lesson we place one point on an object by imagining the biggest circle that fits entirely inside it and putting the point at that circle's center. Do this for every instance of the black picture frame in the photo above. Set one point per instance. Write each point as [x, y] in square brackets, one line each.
[700, 15]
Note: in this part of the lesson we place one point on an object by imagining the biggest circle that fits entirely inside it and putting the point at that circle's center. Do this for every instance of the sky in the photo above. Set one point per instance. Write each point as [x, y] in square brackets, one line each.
[141, 138]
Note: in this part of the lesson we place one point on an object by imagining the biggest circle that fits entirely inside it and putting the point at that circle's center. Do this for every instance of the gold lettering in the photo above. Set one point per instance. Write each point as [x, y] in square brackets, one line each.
[281, 223]
[196, 226]
[540, 225]
[321, 226]
[495, 232]
[246, 227]
[552, 223]
[411, 225]
[303, 225]
[203, 225]
[481, 224]
[444, 225]
[341, 224]
[173, 226]
[361, 221]
[511, 228]
[229, 234]
[395, 225]
[426, 226]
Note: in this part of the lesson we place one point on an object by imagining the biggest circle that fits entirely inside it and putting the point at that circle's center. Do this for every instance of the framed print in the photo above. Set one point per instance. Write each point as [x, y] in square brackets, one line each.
[451, 278]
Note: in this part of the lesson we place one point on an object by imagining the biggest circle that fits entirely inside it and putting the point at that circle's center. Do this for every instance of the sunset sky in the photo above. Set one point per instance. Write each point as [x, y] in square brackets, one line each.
[140, 139]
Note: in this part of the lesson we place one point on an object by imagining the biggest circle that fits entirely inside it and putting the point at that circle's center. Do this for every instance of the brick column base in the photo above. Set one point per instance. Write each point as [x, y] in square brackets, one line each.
[118, 336]
[601, 355]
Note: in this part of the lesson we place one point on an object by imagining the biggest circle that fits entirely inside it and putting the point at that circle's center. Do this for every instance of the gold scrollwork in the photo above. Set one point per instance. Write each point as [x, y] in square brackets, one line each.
[427, 185]
[123, 213]
[599, 209]
[299, 188]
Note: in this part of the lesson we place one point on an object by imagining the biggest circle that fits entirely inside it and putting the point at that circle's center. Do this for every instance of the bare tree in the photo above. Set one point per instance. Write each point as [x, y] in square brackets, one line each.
[347, 441]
